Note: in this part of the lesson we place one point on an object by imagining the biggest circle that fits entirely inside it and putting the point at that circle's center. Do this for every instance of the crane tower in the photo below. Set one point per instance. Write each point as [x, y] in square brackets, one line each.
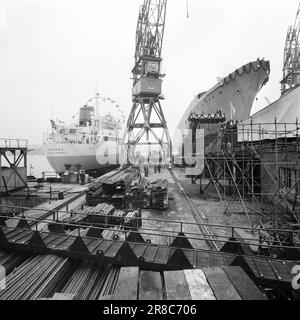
[146, 128]
[291, 63]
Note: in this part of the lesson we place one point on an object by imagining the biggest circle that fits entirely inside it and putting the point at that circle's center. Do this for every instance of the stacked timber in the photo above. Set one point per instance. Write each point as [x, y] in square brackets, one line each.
[78, 217]
[38, 276]
[130, 221]
[119, 182]
[81, 232]
[112, 187]
[10, 260]
[139, 195]
[146, 198]
[159, 194]
[114, 233]
[118, 217]
[94, 193]
[127, 186]
[105, 198]
[91, 281]
[91, 215]
[100, 214]
[118, 200]
[48, 277]
[148, 195]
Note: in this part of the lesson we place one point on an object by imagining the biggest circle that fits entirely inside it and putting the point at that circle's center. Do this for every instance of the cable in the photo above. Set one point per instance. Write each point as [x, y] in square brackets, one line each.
[187, 9]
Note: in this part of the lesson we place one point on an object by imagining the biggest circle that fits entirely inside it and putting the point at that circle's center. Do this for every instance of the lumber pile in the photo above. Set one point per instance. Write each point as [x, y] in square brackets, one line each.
[91, 215]
[90, 281]
[114, 233]
[10, 260]
[78, 232]
[140, 194]
[126, 188]
[148, 195]
[159, 194]
[118, 200]
[146, 198]
[100, 214]
[36, 277]
[130, 221]
[94, 193]
[120, 182]
[112, 188]
[118, 217]
[48, 277]
[78, 217]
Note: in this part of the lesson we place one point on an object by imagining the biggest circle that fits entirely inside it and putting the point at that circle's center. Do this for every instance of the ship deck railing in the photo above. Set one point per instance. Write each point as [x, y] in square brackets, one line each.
[76, 139]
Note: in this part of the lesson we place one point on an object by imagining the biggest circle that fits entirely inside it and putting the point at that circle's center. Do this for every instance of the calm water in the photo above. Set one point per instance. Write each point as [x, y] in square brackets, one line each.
[38, 164]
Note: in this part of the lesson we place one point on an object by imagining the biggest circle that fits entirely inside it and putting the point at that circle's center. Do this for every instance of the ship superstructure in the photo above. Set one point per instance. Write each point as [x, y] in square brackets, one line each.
[91, 144]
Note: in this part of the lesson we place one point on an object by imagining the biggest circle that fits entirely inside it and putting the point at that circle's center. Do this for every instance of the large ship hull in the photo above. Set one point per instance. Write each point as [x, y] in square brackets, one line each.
[232, 97]
[281, 117]
[90, 157]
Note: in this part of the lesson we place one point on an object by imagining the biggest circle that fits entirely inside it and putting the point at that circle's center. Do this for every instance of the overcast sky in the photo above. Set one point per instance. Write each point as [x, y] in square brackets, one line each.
[52, 53]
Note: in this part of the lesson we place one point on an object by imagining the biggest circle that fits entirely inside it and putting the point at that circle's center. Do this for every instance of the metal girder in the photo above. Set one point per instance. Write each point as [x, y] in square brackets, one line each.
[291, 62]
[13, 165]
[133, 138]
[149, 33]
[146, 123]
[142, 125]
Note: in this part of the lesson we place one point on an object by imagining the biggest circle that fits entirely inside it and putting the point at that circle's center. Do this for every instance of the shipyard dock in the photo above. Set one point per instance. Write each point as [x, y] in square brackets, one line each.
[73, 248]
[130, 214]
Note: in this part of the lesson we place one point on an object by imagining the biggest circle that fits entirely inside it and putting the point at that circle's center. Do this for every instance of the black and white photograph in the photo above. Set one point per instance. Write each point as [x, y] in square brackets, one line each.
[149, 154]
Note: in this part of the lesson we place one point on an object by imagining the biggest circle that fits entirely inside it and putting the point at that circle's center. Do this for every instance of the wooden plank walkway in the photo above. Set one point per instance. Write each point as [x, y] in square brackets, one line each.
[150, 286]
[198, 285]
[176, 286]
[127, 286]
[271, 269]
[243, 284]
[220, 284]
[228, 283]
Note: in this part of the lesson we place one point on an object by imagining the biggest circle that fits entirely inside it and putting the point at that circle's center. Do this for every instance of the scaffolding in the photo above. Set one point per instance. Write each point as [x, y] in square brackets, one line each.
[254, 169]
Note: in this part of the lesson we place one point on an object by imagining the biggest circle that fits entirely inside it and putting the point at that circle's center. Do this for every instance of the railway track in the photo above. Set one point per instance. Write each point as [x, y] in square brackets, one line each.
[199, 217]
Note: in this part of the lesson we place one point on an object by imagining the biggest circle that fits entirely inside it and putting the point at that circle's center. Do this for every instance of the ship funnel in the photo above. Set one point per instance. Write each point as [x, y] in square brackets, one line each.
[86, 115]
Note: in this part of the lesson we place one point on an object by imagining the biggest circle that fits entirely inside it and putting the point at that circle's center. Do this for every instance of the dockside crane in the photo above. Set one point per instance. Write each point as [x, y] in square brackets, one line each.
[146, 126]
[291, 63]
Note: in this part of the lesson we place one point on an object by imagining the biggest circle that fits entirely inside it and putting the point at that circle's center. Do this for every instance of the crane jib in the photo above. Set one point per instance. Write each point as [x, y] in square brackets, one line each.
[146, 126]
